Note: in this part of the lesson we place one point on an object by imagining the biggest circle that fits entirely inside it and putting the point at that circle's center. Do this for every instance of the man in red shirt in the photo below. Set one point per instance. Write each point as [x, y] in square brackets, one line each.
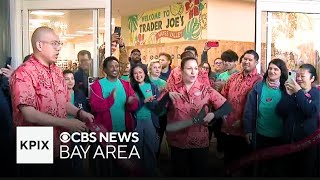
[235, 91]
[40, 98]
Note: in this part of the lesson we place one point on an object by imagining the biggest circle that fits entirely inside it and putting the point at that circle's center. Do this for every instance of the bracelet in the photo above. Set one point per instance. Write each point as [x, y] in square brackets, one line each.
[78, 114]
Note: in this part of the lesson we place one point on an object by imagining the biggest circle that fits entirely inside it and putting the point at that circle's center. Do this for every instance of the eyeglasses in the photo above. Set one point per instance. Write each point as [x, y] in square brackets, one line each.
[54, 44]
[218, 63]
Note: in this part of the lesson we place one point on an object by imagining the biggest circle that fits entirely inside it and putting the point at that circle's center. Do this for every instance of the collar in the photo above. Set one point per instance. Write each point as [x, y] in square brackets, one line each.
[38, 63]
[251, 74]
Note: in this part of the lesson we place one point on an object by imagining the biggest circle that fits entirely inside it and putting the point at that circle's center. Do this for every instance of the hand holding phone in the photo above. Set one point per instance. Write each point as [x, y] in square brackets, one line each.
[117, 30]
[292, 75]
[213, 44]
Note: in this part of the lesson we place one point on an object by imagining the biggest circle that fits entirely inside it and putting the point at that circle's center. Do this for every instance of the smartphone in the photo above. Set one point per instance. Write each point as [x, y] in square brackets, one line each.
[213, 44]
[292, 75]
[117, 30]
[8, 62]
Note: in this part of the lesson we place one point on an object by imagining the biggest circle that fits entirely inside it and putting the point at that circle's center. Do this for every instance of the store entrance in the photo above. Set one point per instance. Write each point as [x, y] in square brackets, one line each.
[288, 31]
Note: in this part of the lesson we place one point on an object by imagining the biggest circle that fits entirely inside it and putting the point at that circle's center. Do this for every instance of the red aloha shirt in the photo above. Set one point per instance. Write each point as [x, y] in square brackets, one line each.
[236, 90]
[201, 93]
[44, 88]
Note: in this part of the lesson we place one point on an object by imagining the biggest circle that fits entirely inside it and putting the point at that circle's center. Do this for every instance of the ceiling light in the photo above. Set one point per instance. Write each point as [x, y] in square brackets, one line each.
[39, 20]
[47, 13]
[73, 35]
[84, 32]
[102, 28]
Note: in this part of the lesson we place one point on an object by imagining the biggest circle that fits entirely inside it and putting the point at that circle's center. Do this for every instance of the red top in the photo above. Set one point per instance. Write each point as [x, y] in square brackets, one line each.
[195, 136]
[236, 90]
[34, 84]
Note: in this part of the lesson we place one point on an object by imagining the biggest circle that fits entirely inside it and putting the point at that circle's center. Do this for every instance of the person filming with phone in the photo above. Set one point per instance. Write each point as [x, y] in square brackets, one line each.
[300, 110]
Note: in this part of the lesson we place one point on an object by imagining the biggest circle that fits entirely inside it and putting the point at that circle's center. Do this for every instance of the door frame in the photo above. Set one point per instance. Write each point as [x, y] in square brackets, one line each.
[20, 41]
[295, 6]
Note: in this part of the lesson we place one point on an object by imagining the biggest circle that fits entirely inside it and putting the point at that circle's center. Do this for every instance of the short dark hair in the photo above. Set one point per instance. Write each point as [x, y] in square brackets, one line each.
[109, 59]
[167, 56]
[312, 70]
[84, 52]
[185, 59]
[135, 50]
[284, 71]
[229, 56]
[67, 71]
[186, 54]
[252, 52]
[191, 48]
[216, 59]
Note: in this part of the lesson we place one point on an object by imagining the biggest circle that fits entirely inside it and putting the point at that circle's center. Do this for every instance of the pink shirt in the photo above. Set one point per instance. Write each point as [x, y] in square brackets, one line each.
[41, 87]
[236, 90]
[195, 136]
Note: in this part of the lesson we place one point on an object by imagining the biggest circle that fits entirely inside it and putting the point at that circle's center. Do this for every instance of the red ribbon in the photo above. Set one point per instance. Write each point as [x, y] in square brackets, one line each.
[276, 151]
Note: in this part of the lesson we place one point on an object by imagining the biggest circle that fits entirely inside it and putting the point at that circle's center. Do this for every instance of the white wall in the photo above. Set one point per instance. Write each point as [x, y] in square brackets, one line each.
[231, 20]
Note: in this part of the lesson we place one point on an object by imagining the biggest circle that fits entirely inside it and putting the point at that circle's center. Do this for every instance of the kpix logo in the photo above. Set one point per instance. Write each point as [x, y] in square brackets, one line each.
[34, 145]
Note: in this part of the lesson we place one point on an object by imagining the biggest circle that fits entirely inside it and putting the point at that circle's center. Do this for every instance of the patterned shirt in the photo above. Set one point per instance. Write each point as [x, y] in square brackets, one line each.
[195, 136]
[44, 88]
[236, 90]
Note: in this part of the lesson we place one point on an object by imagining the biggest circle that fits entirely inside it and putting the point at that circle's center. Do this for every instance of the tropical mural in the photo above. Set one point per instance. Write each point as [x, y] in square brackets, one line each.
[177, 22]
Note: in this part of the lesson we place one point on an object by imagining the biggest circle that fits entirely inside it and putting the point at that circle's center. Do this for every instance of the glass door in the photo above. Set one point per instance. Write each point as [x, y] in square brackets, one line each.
[288, 30]
[81, 25]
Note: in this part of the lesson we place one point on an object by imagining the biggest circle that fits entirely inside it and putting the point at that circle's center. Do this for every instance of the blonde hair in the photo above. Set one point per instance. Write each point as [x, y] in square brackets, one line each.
[151, 63]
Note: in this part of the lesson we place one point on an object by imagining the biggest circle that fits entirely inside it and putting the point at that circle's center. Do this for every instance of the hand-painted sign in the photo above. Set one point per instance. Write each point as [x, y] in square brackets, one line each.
[178, 22]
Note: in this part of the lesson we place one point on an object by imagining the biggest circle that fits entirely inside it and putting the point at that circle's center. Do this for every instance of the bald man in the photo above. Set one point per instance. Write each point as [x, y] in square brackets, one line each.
[40, 98]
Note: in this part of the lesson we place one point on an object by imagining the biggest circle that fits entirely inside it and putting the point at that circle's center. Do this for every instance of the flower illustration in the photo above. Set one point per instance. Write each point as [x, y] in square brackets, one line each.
[141, 39]
[192, 7]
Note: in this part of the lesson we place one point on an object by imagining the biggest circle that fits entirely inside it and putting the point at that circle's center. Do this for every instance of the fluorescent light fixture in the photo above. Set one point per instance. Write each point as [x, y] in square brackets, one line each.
[102, 28]
[73, 35]
[66, 37]
[47, 13]
[84, 32]
[39, 20]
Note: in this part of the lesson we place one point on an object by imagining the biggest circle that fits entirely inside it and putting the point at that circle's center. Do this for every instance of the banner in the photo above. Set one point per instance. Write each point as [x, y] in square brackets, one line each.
[175, 23]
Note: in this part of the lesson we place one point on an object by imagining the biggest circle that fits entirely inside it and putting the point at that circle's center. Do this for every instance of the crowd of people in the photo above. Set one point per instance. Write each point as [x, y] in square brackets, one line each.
[244, 110]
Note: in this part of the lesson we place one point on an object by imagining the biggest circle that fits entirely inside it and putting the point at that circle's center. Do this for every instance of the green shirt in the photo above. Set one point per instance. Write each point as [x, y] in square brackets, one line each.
[125, 77]
[225, 75]
[159, 82]
[269, 124]
[117, 110]
[72, 102]
[144, 113]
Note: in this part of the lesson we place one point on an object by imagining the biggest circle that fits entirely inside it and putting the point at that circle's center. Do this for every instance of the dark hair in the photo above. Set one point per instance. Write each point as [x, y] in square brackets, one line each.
[312, 70]
[252, 52]
[284, 72]
[167, 56]
[229, 56]
[185, 59]
[67, 71]
[187, 54]
[134, 83]
[201, 65]
[135, 50]
[26, 58]
[109, 59]
[84, 52]
[241, 57]
[191, 48]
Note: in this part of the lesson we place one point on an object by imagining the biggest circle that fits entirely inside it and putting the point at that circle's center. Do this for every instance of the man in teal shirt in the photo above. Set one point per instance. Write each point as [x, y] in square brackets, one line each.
[230, 59]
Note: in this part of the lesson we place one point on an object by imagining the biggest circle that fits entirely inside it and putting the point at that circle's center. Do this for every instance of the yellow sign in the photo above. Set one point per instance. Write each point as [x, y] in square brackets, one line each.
[178, 22]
